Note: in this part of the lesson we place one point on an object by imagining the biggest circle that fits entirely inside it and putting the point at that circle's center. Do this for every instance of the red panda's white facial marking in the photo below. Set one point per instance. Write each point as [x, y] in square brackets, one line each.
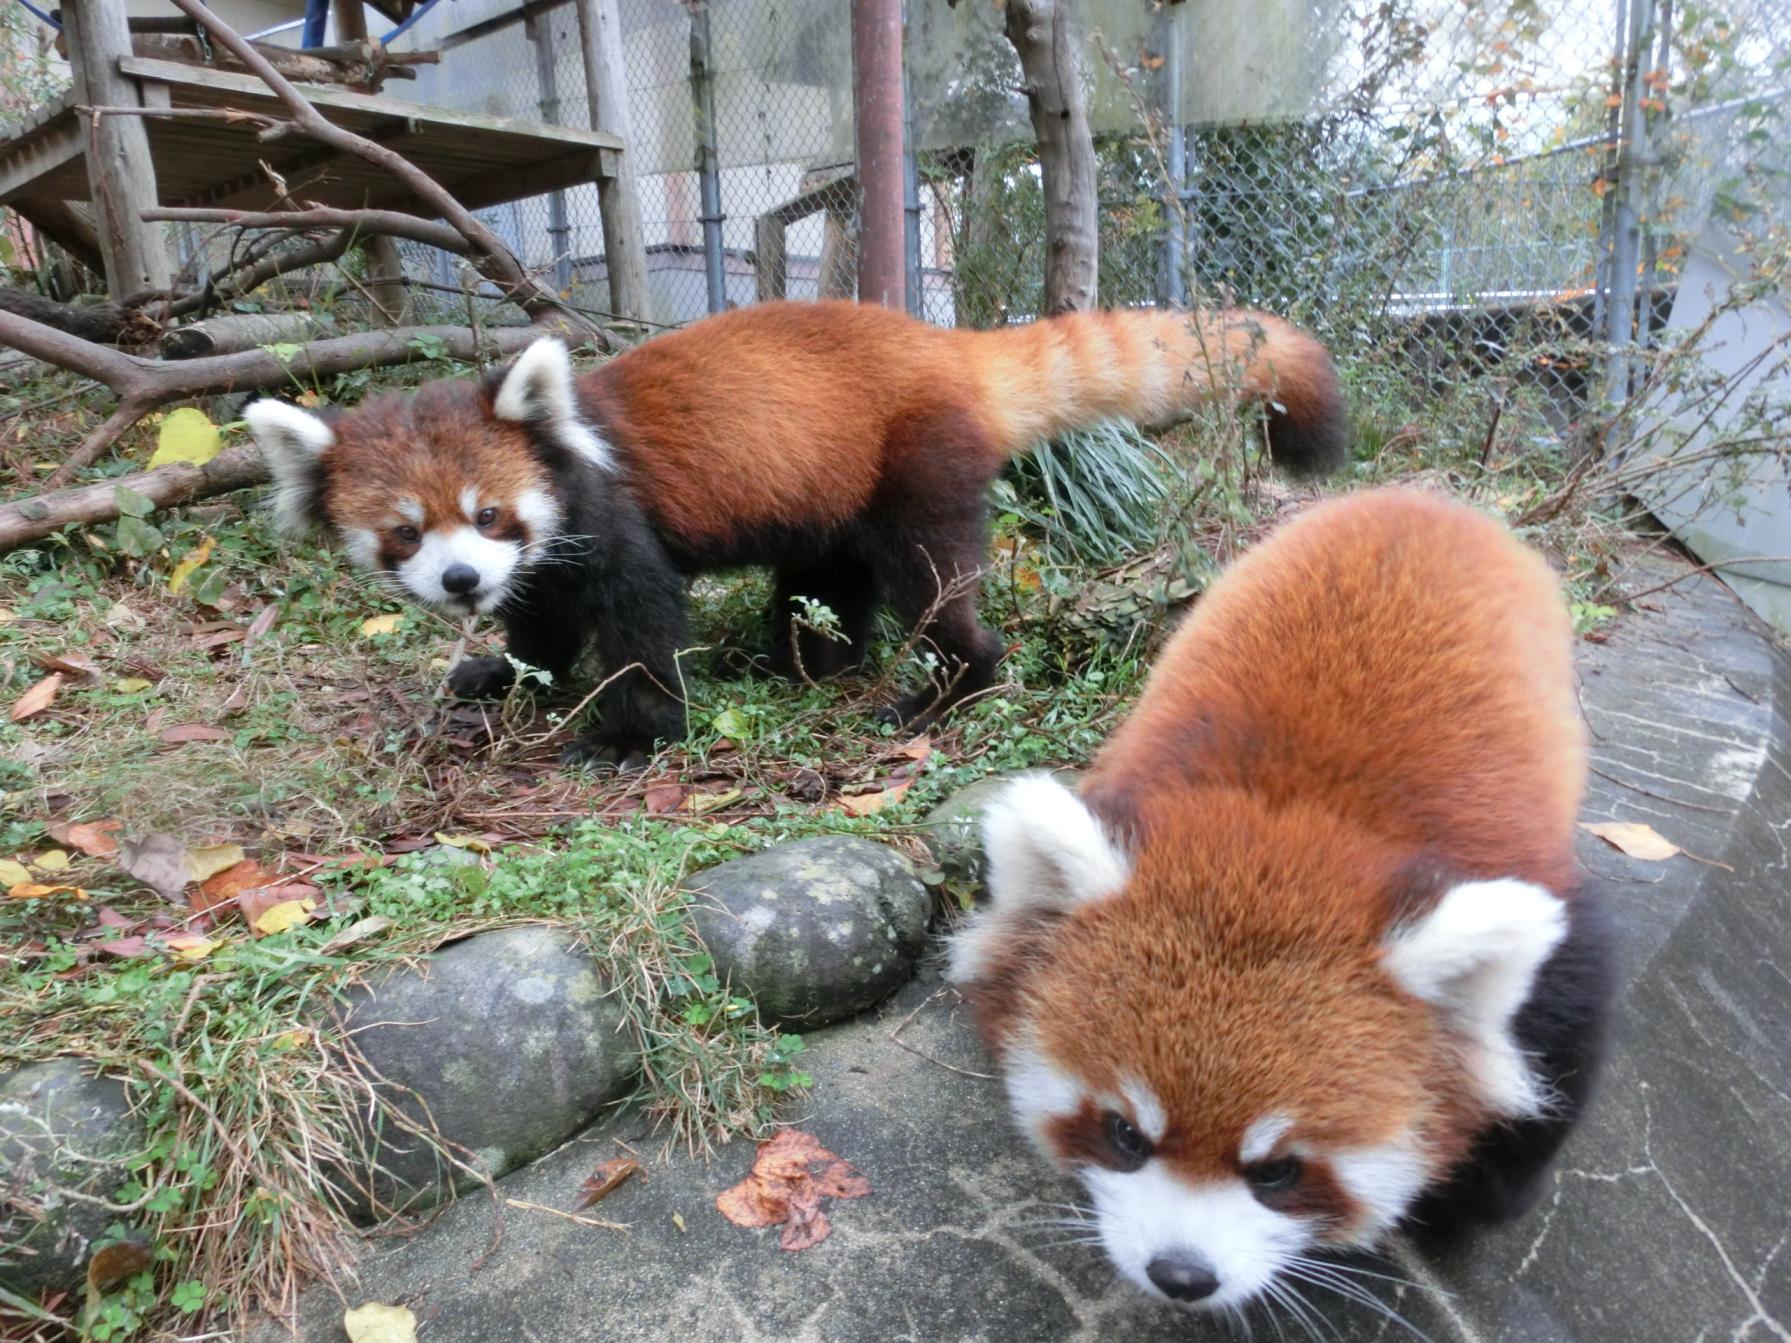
[1245, 1035]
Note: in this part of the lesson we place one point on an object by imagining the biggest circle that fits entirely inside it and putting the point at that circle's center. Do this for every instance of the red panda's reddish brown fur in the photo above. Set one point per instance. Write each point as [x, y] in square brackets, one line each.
[1372, 710]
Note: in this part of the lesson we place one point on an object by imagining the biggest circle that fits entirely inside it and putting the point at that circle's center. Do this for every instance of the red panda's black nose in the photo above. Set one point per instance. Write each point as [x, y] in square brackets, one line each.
[460, 579]
[1182, 1277]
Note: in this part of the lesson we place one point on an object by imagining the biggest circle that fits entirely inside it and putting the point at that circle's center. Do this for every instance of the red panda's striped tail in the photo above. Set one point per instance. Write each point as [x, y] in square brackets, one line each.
[1154, 367]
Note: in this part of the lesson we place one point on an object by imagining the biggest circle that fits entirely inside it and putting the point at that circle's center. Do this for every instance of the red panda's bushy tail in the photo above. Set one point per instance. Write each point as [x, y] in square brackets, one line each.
[1154, 367]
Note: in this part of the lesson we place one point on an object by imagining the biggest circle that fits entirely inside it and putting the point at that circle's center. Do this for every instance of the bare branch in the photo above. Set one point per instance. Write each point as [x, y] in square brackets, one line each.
[390, 223]
[35, 518]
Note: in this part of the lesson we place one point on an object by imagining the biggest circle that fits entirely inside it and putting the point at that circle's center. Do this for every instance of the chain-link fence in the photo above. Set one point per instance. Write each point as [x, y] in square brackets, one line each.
[1435, 184]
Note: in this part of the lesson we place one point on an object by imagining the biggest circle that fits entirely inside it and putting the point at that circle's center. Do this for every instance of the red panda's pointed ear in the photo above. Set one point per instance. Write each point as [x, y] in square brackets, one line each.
[292, 442]
[538, 391]
[1474, 956]
[1045, 853]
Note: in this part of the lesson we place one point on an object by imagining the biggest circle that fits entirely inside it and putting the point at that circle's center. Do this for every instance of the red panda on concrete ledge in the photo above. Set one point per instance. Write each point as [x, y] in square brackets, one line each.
[1306, 957]
[849, 447]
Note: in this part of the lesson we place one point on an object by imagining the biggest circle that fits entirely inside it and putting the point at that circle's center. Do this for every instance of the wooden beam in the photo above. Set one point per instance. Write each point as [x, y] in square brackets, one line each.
[63, 225]
[618, 196]
[769, 263]
[24, 162]
[120, 173]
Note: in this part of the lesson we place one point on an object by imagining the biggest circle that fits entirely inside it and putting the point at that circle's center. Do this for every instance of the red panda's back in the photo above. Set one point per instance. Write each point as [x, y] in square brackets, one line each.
[1396, 658]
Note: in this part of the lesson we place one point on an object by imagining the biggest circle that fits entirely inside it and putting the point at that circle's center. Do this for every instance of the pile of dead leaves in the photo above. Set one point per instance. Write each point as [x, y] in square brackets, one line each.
[790, 1177]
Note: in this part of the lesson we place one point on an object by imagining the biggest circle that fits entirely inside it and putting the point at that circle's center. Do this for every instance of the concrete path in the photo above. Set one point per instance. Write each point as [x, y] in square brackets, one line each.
[1668, 1220]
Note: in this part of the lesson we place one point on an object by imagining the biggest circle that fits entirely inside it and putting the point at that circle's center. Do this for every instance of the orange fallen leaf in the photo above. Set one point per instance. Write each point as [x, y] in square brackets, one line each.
[864, 804]
[118, 1261]
[790, 1176]
[31, 890]
[35, 700]
[71, 664]
[229, 886]
[606, 1179]
[1633, 838]
[96, 839]
[664, 798]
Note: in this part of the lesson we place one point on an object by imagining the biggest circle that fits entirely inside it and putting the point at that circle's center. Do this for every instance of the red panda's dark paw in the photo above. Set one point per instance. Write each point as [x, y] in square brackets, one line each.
[592, 751]
[480, 678]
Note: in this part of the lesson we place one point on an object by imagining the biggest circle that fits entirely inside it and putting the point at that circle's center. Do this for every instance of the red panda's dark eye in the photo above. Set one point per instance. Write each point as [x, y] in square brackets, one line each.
[1131, 1149]
[486, 517]
[1273, 1177]
[407, 534]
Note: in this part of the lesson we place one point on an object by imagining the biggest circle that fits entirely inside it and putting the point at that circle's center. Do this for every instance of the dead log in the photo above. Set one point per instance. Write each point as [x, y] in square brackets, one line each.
[113, 322]
[1048, 40]
[27, 520]
[238, 331]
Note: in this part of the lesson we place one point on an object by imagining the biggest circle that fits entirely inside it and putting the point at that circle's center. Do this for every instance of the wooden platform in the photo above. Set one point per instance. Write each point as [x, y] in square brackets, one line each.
[481, 160]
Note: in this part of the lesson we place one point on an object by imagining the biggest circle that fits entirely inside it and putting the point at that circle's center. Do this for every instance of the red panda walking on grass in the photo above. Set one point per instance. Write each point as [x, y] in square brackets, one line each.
[849, 447]
[1306, 957]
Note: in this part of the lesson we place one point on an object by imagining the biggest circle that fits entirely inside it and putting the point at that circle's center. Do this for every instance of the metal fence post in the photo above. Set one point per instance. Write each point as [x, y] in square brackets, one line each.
[1175, 201]
[877, 128]
[708, 157]
[559, 228]
[1626, 230]
[910, 189]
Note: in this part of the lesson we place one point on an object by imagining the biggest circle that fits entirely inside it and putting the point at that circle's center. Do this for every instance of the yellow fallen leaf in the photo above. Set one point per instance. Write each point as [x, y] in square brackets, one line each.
[386, 624]
[56, 860]
[1634, 838]
[864, 804]
[131, 685]
[14, 874]
[189, 565]
[469, 842]
[30, 890]
[208, 860]
[287, 914]
[373, 1323]
[702, 802]
[7, 615]
[186, 435]
[191, 946]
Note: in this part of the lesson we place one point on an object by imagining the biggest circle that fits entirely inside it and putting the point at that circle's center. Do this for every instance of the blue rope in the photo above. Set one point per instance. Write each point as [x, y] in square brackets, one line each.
[404, 27]
[33, 9]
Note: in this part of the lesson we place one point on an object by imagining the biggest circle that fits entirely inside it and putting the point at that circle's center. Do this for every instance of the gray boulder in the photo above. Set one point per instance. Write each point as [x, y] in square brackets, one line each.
[952, 831]
[60, 1130]
[508, 1041]
[814, 930]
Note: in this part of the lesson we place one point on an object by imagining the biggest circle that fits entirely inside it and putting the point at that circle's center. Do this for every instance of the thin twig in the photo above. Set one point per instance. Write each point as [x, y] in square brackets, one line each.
[580, 1218]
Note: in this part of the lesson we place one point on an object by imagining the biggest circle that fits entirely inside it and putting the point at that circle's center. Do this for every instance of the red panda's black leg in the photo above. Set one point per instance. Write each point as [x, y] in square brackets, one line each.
[932, 583]
[844, 585]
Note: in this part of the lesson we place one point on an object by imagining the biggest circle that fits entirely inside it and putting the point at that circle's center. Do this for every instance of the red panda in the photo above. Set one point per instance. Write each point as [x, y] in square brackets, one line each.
[849, 447]
[1306, 958]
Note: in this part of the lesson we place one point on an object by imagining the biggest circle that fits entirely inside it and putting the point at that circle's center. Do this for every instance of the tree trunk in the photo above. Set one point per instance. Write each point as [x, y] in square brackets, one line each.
[1048, 38]
[35, 518]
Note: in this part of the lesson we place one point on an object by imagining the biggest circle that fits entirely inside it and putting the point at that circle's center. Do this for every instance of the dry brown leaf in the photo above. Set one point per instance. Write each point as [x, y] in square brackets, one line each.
[606, 1179]
[1633, 838]
[96, 839]
[664, 798]
[125, 947]
[358, 931]
[159, 861]
[72, 664]
[185, 732]
[117, 1262]
[790, 1176]
[864, 804]
[35, 700]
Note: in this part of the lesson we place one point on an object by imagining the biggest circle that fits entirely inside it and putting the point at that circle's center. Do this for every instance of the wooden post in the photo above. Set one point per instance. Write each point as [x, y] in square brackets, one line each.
[618, 196]
[768, 256]
[385, 268]
[120, 172]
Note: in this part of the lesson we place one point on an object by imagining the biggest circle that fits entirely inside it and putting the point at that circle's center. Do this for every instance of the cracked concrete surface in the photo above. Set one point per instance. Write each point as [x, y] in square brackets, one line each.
[1667, 1220]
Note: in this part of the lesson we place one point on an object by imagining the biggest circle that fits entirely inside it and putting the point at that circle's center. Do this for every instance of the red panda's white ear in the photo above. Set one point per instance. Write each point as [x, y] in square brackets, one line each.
[1045, 853]
[1475, 956]
[538, 390]
[292, 441]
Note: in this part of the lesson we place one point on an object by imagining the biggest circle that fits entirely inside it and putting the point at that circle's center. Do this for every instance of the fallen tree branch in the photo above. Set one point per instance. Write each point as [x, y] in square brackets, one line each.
[143, 384]
[35, 518]
[390, 223]
[113, 322]
[486, 250]
[256, 272]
